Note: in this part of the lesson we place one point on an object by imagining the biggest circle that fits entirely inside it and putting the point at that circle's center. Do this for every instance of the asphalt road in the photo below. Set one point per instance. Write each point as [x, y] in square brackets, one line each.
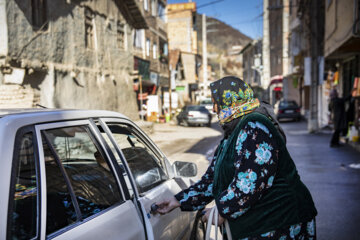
[332, 183]
[325, 171]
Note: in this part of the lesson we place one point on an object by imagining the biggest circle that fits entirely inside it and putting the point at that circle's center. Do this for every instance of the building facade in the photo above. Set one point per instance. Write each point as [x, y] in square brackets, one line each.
[69, 54]
[183, 37]
[342, 52]
[275, 48]
[252, 63]
[151, 57]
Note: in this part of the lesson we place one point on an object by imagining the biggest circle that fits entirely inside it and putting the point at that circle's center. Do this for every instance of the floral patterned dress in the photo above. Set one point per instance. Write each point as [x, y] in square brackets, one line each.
[255, 169]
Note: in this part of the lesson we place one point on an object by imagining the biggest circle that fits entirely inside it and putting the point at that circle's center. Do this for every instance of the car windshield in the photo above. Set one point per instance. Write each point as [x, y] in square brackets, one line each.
[197, 108]
[285, 104]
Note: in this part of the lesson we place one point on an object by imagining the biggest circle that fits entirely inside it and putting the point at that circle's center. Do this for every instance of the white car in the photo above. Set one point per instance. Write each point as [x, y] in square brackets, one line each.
[208, 104]
[82, 174]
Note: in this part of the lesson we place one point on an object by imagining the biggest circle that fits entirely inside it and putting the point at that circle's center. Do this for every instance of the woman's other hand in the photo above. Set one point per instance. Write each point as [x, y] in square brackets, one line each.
[168, 205]
[206, 214]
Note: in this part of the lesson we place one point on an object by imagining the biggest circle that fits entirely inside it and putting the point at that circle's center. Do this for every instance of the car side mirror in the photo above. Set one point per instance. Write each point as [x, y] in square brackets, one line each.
[185, 169]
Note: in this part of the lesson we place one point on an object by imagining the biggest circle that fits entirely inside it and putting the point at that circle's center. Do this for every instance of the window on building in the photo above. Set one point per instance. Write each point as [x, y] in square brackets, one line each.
[146, 5]
[147, 47]
[39, 14]
[120, 35]
[154, 51]
[138, 38]
[89, 29]
[153, 8]
[163, 48]
[161, 11]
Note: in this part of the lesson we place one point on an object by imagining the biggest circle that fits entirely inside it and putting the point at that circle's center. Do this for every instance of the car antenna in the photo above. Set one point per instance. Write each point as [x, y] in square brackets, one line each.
[38, 105]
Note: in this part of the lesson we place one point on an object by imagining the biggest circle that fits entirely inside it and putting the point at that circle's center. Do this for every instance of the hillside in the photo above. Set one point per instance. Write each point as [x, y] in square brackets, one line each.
[221, 39]
[220, 35]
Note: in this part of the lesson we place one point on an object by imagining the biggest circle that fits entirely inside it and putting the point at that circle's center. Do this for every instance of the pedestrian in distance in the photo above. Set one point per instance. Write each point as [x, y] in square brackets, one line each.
[337, 109]
[252, 177]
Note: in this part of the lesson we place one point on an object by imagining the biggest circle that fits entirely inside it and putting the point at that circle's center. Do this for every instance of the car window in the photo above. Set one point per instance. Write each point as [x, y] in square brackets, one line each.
[197, 108]
[118, 159]
[206, 102]
[285, 104]
[75, 157]
[60, 208]
[23, 216]
[145, 166]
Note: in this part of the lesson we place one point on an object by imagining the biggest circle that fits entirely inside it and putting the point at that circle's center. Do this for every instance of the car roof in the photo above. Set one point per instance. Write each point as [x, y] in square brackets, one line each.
[38, 115]
[11, 111]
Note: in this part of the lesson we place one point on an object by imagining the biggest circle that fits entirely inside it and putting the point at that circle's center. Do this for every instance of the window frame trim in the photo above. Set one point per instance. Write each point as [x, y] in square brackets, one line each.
[19, 134]
[121, 155]
[112, 159]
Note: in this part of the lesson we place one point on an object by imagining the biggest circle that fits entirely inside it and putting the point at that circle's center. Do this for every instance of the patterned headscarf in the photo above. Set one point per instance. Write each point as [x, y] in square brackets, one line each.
[234, 97]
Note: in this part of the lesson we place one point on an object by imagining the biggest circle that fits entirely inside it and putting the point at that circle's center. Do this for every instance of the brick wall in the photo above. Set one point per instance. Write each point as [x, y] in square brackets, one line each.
[16, 96]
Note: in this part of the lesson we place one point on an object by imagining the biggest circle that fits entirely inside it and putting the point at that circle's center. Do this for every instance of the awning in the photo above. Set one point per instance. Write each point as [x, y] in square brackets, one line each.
[276, 79]
[143, 67]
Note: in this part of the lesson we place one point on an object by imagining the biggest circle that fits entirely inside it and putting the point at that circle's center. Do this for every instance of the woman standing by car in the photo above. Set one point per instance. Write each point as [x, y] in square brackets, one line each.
[252, 177]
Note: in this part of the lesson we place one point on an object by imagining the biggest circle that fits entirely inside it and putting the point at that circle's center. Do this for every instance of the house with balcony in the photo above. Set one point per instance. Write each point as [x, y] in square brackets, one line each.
[151, 55]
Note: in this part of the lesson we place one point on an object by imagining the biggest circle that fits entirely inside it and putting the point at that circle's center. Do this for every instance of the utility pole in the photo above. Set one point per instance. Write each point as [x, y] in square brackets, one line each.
[313, 124]
[204, 53]
[141, 98]
[170, 89]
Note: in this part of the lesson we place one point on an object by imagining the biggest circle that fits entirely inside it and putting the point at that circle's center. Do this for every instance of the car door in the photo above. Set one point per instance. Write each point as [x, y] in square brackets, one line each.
[152, 182]
[83, 196]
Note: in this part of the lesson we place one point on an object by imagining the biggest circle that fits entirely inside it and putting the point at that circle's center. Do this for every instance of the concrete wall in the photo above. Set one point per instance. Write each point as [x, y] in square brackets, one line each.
[339, 19]
[276, 37]
[3, 29]
[64, 72]
[180, 30]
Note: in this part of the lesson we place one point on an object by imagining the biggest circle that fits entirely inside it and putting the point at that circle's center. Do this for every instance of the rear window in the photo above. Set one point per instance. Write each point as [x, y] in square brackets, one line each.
[197, 108]
[285, 104]
[206, 102]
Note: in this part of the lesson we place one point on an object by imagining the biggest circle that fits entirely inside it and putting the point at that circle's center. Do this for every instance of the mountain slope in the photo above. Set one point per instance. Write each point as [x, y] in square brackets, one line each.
[222, 39]
[220, 36]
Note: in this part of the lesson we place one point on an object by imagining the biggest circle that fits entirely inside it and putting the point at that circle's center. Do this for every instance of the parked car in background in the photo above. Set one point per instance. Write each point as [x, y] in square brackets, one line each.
[194, 115]
[81, 174]
[207, 103]
[288, 109]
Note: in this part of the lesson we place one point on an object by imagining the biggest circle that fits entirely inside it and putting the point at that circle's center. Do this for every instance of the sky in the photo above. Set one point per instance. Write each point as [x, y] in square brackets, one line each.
[244, 15]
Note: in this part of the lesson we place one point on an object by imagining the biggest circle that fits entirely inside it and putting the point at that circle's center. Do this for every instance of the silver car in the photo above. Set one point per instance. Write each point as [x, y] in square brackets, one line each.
[194, 115]
[80, 174]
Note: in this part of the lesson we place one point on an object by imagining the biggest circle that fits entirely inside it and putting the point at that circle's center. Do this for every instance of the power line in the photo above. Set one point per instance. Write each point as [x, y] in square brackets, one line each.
[257, 18]
[198, 7]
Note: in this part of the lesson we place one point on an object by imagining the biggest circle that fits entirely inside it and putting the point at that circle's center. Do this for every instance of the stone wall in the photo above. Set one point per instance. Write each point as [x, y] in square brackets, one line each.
[61, 69]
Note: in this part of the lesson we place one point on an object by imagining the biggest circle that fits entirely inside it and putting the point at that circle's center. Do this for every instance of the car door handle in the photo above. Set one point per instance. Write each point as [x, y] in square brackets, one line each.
[153, 209]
